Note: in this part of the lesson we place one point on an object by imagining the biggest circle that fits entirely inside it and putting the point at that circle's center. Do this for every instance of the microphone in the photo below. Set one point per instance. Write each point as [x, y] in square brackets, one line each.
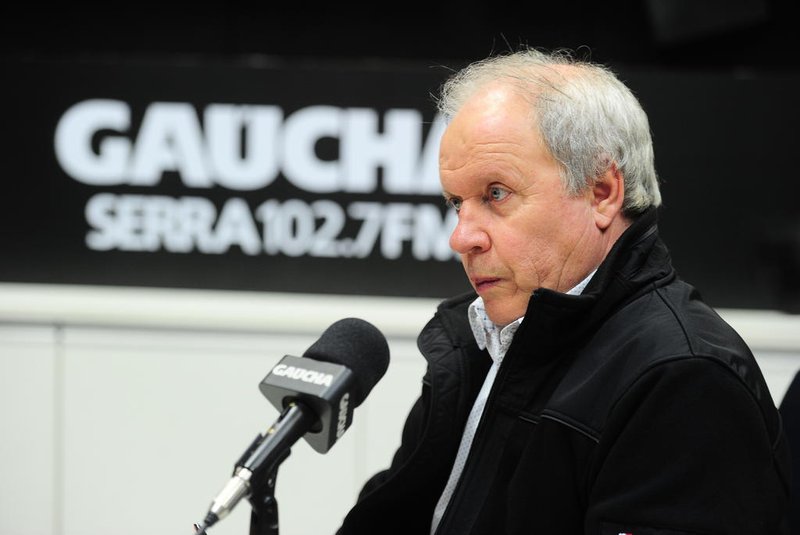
[316, 395]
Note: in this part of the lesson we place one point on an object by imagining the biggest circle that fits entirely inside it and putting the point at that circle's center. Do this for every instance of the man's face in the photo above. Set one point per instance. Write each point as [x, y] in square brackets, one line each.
[517, 229]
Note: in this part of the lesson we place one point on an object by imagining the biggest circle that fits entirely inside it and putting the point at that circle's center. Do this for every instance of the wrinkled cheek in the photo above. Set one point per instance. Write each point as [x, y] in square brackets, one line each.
[528, 273]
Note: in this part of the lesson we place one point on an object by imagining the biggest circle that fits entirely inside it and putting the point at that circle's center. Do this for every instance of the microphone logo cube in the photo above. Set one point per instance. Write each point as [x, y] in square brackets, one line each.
[322, 386]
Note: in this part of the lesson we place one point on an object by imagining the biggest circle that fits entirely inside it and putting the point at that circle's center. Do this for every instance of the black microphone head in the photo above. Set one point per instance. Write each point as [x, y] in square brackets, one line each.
[357, 345]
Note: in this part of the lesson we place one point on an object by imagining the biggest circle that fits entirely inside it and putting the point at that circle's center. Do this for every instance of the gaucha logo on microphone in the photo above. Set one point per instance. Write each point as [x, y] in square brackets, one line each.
[302, 374]
[341, 425]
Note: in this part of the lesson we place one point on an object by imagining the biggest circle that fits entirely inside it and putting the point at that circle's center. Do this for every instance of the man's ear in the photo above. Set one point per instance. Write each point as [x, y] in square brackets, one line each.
[608, 194]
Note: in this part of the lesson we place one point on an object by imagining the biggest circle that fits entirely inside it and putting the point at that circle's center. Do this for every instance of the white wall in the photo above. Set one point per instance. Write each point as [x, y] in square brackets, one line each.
[123, 410]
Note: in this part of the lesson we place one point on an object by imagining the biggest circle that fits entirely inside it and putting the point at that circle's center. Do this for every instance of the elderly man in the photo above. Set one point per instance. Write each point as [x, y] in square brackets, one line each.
[583, 387]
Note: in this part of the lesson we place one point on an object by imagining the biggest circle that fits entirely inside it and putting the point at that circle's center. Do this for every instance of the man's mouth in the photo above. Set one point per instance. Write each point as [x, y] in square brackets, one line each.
[484, 283]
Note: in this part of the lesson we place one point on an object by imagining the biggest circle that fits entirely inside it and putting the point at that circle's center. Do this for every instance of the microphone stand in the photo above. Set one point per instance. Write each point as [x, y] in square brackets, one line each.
[264, 514]
[255, 472]
[264, 506]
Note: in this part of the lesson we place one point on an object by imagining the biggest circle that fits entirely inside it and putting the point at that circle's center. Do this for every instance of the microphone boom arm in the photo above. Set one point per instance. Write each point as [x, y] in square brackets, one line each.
[255, 473]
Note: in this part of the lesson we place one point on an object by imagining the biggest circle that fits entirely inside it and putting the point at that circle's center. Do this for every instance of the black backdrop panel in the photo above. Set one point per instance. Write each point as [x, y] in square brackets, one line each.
[297, 178]
[320, 177]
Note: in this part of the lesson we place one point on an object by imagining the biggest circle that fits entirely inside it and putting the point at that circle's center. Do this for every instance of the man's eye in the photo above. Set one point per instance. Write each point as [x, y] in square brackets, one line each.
[496, 193]
[454, 203]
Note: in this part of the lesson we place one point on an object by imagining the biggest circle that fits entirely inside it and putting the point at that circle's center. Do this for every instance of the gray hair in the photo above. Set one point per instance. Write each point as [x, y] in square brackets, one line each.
[587, 117]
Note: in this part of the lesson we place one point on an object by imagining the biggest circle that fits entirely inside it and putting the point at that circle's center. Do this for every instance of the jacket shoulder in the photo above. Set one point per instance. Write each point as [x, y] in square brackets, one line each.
[449, 326]
[661, 330]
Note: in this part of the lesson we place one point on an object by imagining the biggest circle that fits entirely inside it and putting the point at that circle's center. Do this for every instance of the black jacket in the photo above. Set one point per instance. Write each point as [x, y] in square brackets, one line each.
[632, 408]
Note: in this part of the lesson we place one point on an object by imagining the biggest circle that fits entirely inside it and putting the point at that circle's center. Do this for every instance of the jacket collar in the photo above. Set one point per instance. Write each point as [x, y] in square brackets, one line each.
[555, 322]
[636, 262]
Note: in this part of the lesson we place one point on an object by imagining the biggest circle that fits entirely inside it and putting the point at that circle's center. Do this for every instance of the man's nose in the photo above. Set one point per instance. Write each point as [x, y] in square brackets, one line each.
[470, 234]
